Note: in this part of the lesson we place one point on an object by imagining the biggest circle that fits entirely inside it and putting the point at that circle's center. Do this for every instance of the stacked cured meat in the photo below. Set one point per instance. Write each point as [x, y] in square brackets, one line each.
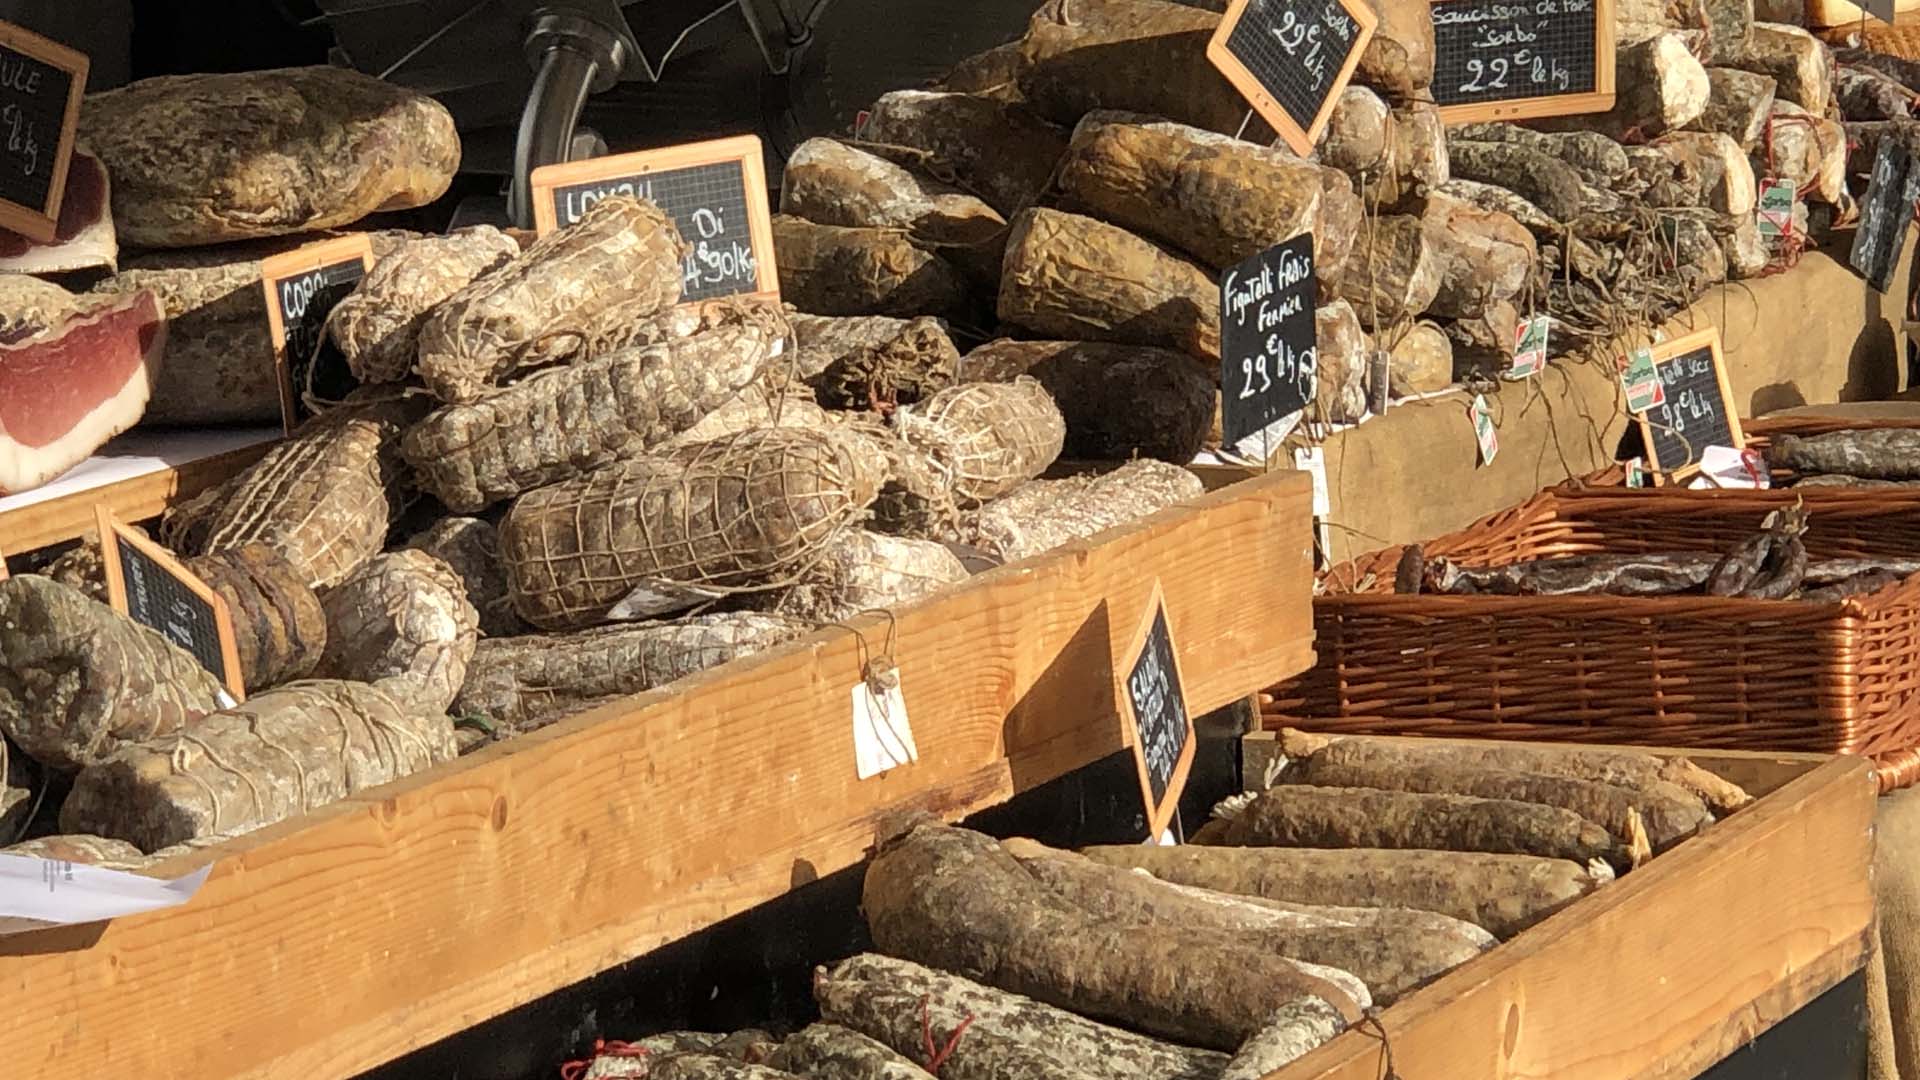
[1085, 185]
[185, 174]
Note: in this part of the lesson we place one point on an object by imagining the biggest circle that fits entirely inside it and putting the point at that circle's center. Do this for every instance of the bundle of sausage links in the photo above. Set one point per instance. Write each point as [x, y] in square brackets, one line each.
[1771, 564]
[1368, 868]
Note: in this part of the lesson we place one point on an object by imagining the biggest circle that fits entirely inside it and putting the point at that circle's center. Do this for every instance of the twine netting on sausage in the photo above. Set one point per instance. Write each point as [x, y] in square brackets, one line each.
[987, 437]
[738, 512]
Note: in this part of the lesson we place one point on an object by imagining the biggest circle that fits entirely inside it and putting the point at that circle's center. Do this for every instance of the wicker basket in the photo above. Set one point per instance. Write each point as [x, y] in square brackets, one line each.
[1677, 671]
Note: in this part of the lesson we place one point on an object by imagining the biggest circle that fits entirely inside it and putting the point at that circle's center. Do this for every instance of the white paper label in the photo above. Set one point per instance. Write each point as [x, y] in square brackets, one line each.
[38, 893]
[882, 737]
[1167, 840]
[1483, 430]
[657, 598]
[1256, 447]
[1312, 460]
[1730, 468]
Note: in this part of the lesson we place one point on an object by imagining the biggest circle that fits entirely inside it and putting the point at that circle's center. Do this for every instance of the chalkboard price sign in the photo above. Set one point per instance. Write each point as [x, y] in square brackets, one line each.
[1885, 211]
[716, 193]
[1268, 339]
[1291, 58]
[149, 586]
[303, 287]
[1514, 59]
[1697, 410]
[1163, 742]
[41, 83]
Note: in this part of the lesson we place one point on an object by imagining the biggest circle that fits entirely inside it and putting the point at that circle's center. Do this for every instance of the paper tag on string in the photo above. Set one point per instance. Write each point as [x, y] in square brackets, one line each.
[1773, 212]
[1641, 380]
[882, 737]
[1529, 348]
[1636, 472]
[1483, 429]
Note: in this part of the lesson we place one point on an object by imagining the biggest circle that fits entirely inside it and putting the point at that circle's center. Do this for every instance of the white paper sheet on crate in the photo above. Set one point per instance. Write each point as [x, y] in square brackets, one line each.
[138, 453]
[38, 893]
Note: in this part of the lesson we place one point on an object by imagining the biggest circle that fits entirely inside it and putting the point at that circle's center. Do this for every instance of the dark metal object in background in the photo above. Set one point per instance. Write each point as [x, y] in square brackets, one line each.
[572, 55]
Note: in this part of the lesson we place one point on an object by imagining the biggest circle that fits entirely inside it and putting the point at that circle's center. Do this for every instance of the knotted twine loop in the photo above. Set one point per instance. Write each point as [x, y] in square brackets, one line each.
[937, 1057]
[576, 1070]
[879, 672]
[1371, 1018]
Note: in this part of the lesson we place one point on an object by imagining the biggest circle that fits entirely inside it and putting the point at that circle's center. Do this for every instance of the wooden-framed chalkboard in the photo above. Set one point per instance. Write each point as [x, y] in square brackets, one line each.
[303, 287]
[1698, 411]
[1291, 58]
[1268, 339]
[1885, 210]
[41, 84]
[1507, 60]
[149, 586]
[1156, 704]
[715, 191]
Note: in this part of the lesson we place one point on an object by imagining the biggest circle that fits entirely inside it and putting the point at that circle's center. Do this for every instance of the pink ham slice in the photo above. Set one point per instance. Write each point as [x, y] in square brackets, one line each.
[83, 238]
[66, 391]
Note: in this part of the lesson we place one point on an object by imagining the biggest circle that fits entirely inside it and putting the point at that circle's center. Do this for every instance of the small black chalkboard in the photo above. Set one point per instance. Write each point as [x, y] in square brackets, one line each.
[149, 586]
[1698, 411]
[41, 83]
[1291, 58]
[1503, 60]
[1268, 339]
[1885, 211]
[1156, 700]
[303, 287]
[714, 191]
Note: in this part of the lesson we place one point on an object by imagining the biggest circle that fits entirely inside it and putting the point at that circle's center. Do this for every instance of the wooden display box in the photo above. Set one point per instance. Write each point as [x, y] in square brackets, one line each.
[1664, 972]
[324, 946]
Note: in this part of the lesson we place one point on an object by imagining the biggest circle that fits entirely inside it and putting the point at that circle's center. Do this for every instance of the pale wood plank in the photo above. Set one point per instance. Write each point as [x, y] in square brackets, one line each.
[135, 499]
[325, 946]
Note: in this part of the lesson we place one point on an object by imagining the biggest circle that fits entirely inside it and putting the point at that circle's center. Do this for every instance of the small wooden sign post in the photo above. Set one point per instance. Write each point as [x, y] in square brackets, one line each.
[41, 84]
[1697, 409]
[1291, 58]
[1163, 739]
[716, 193]
[303, 287]
[1498, 60]
[148, 585]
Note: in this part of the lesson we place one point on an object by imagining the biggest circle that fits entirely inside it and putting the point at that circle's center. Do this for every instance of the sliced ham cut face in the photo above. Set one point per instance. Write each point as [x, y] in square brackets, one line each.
[83, 237]
[66, 391]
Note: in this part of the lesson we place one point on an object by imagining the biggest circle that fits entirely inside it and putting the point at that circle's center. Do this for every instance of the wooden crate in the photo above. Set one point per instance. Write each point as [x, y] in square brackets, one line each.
[1664, 972]
[324, 946]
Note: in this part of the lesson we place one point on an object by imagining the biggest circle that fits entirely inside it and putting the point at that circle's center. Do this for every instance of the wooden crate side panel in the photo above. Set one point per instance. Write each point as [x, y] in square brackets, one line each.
[1660, 973]
[326, 946]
